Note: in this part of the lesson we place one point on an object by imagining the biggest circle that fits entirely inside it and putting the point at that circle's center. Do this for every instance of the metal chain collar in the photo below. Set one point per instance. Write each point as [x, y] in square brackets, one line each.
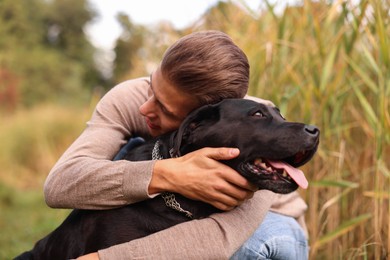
[169, 198]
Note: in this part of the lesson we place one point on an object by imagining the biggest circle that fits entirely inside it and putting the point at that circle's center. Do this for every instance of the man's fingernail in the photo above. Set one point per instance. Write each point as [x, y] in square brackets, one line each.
[234, 151]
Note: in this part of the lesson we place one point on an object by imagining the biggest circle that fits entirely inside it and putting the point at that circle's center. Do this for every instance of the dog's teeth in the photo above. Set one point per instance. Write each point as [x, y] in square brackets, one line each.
[257, 162]
[285, 174]
[260, 163]
[253, 169]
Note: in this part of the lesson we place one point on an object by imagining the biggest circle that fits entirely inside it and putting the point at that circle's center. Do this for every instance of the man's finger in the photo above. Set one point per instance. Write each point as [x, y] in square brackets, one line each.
[222, 153]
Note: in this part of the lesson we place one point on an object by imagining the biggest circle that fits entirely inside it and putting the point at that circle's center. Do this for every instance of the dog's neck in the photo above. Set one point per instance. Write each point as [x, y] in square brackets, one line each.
[166, 146]
[169, 198]
[161, 147]
[156, 154]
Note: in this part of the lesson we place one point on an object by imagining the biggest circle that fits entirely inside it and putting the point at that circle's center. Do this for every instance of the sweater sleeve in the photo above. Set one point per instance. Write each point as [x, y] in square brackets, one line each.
[215, 237]
[85, 176]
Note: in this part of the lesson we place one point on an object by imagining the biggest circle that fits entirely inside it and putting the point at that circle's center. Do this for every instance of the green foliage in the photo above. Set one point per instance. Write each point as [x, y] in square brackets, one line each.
[25, 218]
[21, 25]
[43, 45]
[65, 21]
[128, 46]
[46, 75]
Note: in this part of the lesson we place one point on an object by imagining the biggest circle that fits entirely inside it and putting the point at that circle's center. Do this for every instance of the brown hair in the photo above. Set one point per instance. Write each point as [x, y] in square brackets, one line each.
[207, 65]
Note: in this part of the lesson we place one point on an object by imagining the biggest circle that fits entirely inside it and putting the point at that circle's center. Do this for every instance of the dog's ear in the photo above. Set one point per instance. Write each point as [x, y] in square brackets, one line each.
[201, 115]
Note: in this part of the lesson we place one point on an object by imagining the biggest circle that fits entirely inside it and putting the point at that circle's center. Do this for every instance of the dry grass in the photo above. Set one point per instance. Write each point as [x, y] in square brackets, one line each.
[329, 65]
[31, 142]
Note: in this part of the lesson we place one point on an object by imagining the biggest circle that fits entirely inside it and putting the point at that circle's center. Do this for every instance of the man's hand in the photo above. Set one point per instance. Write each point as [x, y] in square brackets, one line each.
[200, 176]
[91, 256]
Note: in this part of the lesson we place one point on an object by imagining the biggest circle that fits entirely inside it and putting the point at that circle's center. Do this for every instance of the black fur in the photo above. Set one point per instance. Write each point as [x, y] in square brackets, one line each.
[257, 130]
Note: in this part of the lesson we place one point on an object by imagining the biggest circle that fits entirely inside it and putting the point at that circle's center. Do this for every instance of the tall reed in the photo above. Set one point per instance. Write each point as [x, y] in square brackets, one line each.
[328, 64]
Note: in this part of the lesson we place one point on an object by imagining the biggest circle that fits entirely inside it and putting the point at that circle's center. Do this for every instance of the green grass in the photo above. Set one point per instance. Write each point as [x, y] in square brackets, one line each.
[31, 141]
[25, 218]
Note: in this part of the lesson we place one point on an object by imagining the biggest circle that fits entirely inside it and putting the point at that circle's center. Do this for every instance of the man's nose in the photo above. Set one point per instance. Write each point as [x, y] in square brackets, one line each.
[148, 108]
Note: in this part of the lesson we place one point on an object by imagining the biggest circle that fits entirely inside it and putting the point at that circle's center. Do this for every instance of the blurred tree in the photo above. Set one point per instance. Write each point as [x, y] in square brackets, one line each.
[65, 24]
[43, 45]
[127, 46]
[8, 90]
[64, 27]
[139, 49]
[21, 25]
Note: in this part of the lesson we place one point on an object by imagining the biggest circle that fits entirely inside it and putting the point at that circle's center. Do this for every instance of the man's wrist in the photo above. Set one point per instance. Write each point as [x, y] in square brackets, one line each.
[159, 182]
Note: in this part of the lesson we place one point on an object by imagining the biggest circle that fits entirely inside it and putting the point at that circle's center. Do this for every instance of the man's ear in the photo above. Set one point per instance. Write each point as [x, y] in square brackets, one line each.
[197, 117]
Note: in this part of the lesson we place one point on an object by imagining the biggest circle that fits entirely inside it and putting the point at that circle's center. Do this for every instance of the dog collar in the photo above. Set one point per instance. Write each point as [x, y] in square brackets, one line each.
[169, 198]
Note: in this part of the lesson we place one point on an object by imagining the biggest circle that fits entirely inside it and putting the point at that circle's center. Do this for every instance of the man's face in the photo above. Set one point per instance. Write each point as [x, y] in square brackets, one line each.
[166, 107]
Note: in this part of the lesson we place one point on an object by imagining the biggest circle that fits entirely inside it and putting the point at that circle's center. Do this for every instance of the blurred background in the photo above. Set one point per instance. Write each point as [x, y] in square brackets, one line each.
[321, 62]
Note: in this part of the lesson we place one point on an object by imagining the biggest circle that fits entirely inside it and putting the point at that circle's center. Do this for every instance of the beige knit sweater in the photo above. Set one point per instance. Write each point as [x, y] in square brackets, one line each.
[85, 177]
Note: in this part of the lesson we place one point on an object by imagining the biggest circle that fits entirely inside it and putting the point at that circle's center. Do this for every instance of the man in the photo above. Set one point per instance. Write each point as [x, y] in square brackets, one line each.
[200, 68]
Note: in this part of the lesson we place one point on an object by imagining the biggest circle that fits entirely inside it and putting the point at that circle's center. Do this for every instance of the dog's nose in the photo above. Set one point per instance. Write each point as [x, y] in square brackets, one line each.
[312, 130]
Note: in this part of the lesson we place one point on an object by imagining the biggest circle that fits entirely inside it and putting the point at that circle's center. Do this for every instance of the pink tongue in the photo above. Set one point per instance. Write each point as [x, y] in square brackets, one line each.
[296, 174]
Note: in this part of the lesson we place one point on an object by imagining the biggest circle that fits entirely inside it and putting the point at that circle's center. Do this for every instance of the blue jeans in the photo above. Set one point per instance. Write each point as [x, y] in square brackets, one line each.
[278, 237]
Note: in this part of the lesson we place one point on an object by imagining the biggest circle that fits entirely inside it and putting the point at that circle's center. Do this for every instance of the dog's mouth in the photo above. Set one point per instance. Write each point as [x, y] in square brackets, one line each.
[280, 170]
[276, 171]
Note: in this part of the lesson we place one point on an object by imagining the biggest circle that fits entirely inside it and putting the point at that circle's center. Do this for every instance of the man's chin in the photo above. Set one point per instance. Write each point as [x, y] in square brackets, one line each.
[154, 132]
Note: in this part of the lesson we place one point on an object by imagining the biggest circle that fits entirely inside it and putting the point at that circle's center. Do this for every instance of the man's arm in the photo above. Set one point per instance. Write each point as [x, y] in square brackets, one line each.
[85, 176]
[216, 237]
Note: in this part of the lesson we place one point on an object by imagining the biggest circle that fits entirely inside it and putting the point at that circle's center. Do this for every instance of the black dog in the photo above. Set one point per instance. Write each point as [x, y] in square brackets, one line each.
[268, 147]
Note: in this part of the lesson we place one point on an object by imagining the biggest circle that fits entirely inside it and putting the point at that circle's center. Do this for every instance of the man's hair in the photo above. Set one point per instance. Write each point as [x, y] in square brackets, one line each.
[207, 65]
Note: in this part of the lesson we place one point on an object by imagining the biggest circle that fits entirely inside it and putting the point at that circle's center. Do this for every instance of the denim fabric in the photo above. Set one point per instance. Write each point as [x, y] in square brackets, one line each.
[278, 237]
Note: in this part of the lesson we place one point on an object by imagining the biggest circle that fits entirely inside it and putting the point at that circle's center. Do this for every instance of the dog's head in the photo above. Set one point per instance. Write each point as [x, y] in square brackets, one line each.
[270, 147]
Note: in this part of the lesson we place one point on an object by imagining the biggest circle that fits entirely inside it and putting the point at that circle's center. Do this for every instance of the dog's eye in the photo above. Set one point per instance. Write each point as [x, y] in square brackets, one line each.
[258, 114]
